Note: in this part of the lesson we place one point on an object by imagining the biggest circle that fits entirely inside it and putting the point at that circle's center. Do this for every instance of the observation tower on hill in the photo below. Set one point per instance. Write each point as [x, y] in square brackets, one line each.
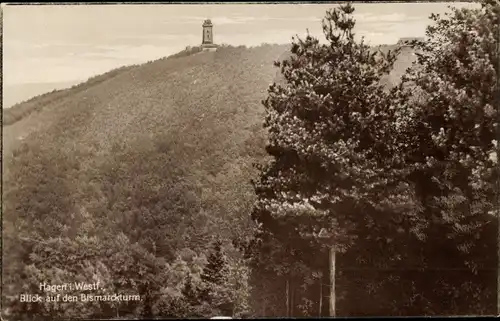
[207, 42]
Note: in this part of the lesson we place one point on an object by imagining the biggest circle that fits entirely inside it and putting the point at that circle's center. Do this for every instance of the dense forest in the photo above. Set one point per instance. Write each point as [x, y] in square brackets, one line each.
[345, 181]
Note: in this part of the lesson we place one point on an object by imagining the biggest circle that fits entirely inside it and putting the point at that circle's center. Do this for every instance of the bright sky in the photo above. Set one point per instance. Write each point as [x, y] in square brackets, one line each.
[69, 43]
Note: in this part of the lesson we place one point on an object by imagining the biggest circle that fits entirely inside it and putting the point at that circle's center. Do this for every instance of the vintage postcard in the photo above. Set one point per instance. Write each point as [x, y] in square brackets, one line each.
[246, 160]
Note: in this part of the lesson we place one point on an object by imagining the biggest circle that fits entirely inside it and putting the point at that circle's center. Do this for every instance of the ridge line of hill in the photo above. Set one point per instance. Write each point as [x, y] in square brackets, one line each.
[23, 109]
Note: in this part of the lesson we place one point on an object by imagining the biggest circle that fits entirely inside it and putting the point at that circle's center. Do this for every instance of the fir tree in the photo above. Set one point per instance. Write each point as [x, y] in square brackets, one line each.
[216, 290]
[190, 291]
[214, 271]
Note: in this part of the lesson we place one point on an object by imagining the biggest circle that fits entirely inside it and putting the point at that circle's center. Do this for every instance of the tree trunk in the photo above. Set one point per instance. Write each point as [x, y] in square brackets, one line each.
[332, 282]
[320, 297]
[287, 298]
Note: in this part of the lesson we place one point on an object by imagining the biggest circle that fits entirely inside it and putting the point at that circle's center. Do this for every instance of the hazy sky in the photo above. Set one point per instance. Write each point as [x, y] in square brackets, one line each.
[69, 43]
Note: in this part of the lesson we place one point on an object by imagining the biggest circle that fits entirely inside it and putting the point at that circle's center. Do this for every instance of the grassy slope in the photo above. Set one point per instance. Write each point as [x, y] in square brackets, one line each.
[196, 118]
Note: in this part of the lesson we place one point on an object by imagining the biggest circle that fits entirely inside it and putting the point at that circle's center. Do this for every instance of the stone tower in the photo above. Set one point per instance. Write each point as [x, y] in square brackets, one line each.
[208, 36]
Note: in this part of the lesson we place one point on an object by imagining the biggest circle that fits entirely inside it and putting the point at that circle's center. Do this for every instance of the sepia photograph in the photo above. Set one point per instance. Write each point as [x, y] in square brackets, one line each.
[250, 160]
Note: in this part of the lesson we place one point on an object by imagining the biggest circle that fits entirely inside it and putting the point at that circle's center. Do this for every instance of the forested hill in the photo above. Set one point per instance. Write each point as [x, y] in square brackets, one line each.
[202, 111]
[158, 156]
[171, 134]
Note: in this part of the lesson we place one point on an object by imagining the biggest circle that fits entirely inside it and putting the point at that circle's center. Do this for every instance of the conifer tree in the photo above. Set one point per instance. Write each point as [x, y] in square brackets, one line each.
[331, 126]
[214, 271]
[190, 292]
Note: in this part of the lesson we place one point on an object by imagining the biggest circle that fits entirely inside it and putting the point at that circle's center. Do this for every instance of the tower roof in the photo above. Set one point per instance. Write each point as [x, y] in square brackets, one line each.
[207, 23]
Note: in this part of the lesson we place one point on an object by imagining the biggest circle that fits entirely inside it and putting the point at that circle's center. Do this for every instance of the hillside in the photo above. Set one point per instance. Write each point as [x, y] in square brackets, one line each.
[203, 108]
[16, 93]
[160, 152]
[202, 112]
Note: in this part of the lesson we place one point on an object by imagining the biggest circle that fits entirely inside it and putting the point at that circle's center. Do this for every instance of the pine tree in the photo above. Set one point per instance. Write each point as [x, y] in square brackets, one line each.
[331, 126]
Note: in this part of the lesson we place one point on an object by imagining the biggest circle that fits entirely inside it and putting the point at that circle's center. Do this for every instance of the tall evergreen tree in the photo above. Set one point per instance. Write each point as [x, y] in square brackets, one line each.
[331, 125]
